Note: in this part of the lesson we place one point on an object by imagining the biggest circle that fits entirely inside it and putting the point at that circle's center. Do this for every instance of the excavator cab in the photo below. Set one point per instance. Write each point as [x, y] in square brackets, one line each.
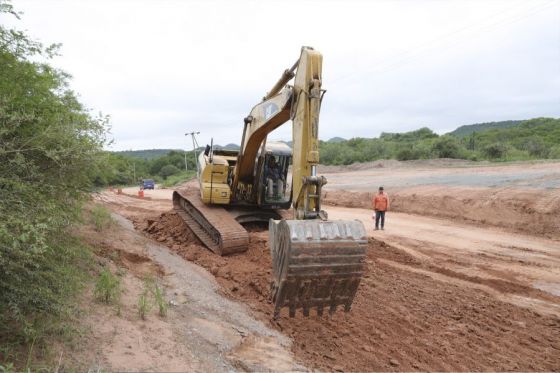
[275, 179]
[275, 190]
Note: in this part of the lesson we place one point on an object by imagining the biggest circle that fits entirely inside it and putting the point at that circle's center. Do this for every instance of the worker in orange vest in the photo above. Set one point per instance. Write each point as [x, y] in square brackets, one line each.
[380, 205]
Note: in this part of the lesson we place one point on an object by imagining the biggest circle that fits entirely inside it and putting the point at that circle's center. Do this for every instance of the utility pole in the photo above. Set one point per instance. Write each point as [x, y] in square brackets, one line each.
[195, 145]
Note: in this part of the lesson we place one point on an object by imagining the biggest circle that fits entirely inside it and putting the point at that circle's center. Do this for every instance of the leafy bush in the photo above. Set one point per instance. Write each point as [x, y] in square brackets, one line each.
[406, 154]
[168, 170]
[447, 147]
[495, 151]
[536, 147]
[554, 152]
[50, 150]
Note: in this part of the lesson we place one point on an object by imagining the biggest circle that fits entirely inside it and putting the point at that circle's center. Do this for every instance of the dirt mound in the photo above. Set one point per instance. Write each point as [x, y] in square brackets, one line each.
[534, 212]
[400, 321]
[167, 228]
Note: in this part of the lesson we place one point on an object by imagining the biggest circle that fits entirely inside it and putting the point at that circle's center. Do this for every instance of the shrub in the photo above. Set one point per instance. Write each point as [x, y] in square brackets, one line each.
[406, 154]
[168, 170]
[49, 148]
[554, 152]
[495, 151]
[536, 147]
[447, 147]
[101, 217]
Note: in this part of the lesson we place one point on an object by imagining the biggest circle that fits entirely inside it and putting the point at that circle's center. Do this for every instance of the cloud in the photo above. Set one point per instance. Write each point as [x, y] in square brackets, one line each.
[162, 68]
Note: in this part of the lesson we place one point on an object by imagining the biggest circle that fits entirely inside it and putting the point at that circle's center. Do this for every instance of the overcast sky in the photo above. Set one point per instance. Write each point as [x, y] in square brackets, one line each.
[162, 68]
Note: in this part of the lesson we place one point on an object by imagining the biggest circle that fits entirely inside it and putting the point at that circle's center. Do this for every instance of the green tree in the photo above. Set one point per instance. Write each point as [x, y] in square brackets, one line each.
[168, 170]
[50, 151]
[447, 147]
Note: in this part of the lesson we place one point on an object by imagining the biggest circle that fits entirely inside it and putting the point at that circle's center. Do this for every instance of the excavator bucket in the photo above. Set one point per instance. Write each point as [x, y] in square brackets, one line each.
[316, 264]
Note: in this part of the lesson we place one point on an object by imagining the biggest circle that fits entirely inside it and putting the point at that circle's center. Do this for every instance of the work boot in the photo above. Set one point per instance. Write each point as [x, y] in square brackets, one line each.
[376, 228]
[382, 228]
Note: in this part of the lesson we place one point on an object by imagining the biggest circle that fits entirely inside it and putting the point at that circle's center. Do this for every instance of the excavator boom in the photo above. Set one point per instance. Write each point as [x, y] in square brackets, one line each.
[317, 263]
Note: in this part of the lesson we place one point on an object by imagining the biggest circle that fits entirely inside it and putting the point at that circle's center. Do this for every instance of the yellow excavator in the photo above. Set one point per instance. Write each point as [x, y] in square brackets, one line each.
[317, 263]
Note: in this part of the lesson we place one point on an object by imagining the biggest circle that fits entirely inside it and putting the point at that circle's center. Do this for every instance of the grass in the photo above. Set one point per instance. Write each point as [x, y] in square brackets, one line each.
[160, 300]
[8, 368]
[151, 290]
[144, 305]
[107, 287]
[178, 178]
[101, 217]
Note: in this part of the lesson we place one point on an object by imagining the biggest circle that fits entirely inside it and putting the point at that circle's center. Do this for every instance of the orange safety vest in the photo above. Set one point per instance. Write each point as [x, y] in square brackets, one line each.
[381, 202]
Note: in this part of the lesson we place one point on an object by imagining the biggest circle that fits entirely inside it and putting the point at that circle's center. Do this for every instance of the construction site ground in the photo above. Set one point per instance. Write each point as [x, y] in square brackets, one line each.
[465, 276]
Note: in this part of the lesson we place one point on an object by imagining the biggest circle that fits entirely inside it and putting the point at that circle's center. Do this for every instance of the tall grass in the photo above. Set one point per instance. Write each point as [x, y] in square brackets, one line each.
[107, 287]
[101, 218]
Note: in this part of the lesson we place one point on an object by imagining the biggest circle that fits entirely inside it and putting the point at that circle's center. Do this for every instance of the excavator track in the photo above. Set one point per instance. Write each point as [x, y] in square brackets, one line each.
[213, 225]
[316, 264]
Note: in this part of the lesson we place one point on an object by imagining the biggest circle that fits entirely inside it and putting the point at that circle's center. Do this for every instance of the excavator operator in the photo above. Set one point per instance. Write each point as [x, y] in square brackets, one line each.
[274, 176]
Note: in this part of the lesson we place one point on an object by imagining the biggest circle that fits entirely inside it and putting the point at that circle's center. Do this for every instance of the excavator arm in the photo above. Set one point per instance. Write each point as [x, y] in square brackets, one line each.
[300, 103]
[317, 263]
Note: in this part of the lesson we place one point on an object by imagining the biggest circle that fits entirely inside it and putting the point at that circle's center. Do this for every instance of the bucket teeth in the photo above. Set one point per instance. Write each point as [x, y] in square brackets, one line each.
[316, 264]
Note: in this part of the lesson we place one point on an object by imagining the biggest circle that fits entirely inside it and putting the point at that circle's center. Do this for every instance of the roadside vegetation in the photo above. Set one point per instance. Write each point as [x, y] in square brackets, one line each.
[537, 138]
[50, 151]
[108, 287]
[124, 169]
[532, 139]
[152, 295]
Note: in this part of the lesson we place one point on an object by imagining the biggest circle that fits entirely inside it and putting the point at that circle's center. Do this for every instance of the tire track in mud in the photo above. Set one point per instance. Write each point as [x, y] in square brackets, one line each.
[392, 254]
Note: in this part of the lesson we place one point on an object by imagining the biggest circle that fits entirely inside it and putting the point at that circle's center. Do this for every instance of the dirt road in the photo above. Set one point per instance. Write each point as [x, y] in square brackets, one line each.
[483, 258]
[203, 331]
[439, 294]
[486, 254]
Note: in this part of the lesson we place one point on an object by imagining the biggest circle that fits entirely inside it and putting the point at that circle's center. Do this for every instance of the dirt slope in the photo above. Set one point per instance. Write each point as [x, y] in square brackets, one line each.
[521, 197]
[202, 332]
[535, 212]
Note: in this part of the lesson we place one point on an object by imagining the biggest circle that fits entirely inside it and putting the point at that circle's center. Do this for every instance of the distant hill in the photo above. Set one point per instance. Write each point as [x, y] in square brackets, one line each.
[228, 147]
[147, 154]
[512, 139]
[480, 127]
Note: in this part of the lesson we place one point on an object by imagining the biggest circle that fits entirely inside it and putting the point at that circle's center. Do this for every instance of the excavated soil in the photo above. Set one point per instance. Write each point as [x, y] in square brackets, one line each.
[401, 320]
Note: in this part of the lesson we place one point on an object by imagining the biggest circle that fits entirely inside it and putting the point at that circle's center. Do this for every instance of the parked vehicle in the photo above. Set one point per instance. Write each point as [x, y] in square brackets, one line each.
[148, 184]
